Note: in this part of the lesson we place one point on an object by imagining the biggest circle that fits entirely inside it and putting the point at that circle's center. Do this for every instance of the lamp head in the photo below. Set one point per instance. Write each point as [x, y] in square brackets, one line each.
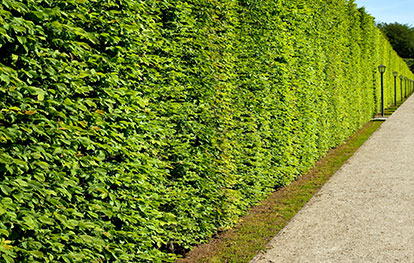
[381, 68]
[395, 73]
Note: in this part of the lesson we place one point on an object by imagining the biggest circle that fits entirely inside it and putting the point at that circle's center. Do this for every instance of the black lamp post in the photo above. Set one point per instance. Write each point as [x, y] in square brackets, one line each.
[381, 69]
[401, 82]
[395, 73]
[405, 93]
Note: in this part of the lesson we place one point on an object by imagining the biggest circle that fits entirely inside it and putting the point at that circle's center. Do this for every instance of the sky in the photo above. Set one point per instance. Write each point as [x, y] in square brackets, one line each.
[390, 11]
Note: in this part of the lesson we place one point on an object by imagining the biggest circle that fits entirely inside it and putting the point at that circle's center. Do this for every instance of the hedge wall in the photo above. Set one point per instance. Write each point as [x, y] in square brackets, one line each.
[132, 130]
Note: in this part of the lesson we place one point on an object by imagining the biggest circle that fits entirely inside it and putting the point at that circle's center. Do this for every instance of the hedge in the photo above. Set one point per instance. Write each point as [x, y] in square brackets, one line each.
[132, 130]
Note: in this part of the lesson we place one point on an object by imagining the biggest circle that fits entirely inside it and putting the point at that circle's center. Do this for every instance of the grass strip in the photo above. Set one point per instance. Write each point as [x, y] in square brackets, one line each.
[265, 220]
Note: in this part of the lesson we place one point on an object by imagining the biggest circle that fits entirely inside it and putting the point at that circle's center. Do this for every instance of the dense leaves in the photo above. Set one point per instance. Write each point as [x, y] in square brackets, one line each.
[132, 130]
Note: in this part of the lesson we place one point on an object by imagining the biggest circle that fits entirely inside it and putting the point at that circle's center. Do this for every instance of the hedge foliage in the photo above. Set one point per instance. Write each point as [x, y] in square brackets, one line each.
[132, 130]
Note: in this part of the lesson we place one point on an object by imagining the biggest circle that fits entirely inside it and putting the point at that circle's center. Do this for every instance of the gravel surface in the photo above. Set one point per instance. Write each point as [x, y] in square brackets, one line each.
[365, 213]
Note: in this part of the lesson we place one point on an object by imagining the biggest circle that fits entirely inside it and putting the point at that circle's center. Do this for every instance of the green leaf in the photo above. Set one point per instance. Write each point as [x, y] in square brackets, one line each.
[30, 222]
[42, 164]
[36, 253]
[7, 258]
[20, 162]
[46, 220]
[5, 189]
[4, 232]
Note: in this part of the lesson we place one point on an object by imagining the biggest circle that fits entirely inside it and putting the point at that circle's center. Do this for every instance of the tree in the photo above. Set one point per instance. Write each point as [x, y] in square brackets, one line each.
[401, 37]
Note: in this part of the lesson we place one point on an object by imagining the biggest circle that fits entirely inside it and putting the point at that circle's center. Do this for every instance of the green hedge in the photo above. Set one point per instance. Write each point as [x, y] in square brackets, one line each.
[132, 130]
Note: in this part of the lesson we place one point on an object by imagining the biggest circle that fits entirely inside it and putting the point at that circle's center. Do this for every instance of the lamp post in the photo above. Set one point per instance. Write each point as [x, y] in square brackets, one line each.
[395, 73]
[401, 82]
[405, 83]
[381, 69]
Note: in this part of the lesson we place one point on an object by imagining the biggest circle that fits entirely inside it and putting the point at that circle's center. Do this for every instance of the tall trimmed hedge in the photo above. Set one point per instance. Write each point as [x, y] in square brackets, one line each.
[132, 130]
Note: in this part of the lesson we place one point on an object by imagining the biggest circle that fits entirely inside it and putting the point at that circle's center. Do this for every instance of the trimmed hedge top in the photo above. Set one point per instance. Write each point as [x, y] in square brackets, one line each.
[132, 130]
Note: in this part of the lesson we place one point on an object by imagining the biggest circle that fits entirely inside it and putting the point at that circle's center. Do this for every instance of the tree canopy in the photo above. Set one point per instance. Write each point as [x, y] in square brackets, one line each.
[401, 37]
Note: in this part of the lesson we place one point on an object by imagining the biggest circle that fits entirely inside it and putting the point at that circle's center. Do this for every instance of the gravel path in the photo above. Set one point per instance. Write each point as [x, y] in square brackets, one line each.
[365, 213]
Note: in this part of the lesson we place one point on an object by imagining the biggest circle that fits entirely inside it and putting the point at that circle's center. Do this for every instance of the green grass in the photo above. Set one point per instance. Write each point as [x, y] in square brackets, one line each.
[264, 221]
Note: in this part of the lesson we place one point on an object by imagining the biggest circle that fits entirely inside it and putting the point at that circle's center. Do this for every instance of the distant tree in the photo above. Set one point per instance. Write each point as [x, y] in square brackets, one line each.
[401, 37]
[410, 63]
